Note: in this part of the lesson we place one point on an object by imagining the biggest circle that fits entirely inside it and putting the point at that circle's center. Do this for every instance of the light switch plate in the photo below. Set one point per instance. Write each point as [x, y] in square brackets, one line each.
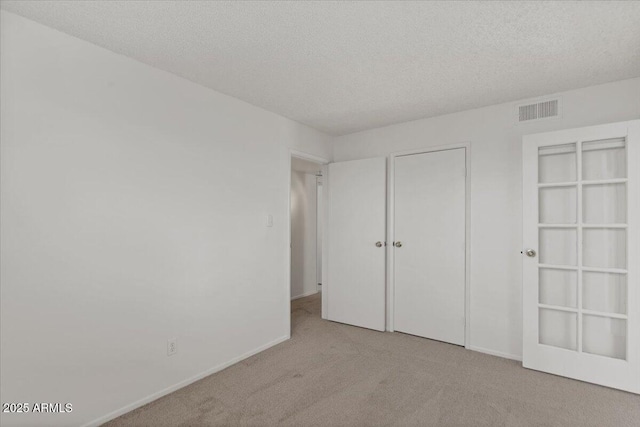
[172, 346]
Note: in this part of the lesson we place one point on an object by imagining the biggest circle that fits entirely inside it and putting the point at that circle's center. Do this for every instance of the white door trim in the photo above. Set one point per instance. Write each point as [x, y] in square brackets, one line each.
[287, 240]
[319, 235]
[391, 231]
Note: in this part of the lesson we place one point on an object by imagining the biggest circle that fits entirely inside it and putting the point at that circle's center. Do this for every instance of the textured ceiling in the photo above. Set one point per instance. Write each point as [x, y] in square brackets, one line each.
[346, 66]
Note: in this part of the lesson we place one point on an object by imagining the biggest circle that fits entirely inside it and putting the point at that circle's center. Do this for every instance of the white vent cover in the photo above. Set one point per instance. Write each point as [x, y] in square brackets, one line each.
[539, 110]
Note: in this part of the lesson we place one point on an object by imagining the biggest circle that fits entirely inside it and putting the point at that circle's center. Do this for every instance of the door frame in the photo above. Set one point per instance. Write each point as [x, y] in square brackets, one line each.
[319, 235]
[391, 232]
[630, 130]
[287, 242]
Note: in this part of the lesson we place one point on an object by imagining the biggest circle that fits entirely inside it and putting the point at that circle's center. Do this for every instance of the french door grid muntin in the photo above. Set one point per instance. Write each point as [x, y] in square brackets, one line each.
[580, 226]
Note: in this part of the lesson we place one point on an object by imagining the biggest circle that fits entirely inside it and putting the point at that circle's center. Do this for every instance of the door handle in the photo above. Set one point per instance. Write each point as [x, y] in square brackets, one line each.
[397, 244]
[530, 253]
[378, 244]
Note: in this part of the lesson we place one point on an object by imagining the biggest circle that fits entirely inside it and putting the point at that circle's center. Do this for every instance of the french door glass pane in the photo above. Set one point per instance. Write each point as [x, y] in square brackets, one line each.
[604, 292]
[558, 287]
[557, 163]
[604, 204]
[558, 246]
[558, 328]
[604, 159]
[557, 205]
[604, 247]
[604, 336]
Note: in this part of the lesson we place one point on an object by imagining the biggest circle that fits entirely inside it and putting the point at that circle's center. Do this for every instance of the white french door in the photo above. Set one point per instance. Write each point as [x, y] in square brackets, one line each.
[429, 249]
[356, 224]
[581, 219]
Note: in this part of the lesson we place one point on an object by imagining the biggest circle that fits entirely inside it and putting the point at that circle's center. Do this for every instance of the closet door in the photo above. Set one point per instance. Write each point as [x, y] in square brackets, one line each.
[581, 219]
[356, 243]
[429, 248]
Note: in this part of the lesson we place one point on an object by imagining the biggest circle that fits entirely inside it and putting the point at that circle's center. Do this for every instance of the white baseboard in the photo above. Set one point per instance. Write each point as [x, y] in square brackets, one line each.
[128, 408]
[305, 294]
[495, 353]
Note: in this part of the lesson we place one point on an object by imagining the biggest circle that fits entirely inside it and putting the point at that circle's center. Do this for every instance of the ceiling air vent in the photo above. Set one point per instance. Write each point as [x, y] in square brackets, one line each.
[539, 110]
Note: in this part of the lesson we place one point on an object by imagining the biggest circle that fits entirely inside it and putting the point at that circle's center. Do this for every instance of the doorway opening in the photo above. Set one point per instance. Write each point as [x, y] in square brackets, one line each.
[306, 207]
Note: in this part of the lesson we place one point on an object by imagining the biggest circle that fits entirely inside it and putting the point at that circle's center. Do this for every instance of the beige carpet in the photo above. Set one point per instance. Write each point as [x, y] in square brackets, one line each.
[330, 374]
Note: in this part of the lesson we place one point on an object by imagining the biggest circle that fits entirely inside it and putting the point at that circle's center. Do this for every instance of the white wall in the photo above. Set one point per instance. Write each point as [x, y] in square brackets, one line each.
[303, 234]
[134, 210]
[496, 193]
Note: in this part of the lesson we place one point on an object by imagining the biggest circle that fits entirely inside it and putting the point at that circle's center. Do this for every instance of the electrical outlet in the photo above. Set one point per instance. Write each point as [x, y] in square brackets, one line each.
[172, 346]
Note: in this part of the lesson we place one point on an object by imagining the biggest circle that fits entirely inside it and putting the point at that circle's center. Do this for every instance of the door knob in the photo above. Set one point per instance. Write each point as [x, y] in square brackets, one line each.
[398, 244]
[530, 253]
[379, 244]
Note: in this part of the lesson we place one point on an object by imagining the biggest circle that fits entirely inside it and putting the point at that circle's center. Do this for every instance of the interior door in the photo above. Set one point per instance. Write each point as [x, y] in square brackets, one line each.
[429, 247]
[355, 281]
[580, 230]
